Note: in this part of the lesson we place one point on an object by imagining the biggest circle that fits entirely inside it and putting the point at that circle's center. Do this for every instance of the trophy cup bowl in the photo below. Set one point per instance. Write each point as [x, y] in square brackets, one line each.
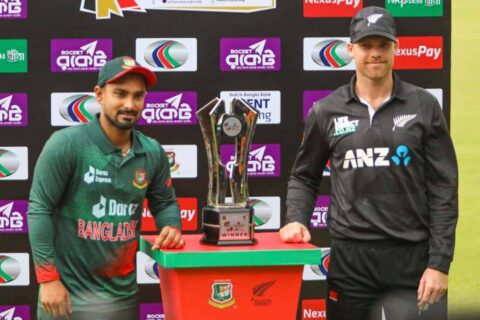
[227, 223]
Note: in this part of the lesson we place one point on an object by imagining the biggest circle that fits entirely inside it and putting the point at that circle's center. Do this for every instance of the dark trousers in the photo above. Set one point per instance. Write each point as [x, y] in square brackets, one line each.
[368, 278]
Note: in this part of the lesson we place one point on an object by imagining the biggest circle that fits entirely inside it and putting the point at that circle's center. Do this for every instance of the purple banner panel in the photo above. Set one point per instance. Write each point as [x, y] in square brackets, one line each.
[250, 54]
[263, 159]
[13, 109]
[15, 312]
[319, 217]
[310, 97]
[13, 216]
[79, 55]
[151, 311]
[169, 108]
[13, 9]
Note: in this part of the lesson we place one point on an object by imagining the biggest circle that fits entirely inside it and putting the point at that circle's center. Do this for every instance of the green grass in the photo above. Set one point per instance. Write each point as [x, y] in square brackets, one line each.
[464, 286]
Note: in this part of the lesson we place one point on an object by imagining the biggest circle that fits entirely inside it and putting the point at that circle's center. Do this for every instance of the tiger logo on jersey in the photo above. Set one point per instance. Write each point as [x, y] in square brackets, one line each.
[140, 181]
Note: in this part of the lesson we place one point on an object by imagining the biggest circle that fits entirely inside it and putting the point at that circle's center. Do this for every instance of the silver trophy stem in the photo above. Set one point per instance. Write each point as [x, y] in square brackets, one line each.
[238, 173]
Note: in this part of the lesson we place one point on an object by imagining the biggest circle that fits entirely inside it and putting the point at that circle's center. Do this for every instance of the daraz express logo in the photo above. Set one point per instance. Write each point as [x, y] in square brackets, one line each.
[79, 55]
[169, 108]
[326, 54]
[167, 55]
[73, 108]
[331, 8]
[419, 53]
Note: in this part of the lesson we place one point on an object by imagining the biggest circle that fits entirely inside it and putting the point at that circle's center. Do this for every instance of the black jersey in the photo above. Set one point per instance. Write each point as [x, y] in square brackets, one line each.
[393, 176]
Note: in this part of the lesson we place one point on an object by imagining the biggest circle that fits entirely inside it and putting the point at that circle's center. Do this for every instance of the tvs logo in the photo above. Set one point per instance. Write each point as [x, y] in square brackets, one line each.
[319, 217]
[13, 9]
[13, 110]
[13, 163]
[250, 54]
[14, 269]
[151, 311]
[182, 160]
[331, 8]
[188, 214]
[167, 55]
[326, 54]
[314, 309]
[419, 53]
[13, 216]
[73, 108]
[222, 294]
[103, 9]
[263, 160]
[169, 108]
[268, 103]
[259, 291]
[79, 55]
[14, 312]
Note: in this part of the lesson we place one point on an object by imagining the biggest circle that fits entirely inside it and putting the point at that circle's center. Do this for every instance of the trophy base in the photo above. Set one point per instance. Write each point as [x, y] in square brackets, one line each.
[228, 226]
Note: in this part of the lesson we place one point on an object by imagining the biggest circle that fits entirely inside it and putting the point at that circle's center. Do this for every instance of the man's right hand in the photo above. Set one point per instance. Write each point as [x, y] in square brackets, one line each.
[55, 299]
[295, 232]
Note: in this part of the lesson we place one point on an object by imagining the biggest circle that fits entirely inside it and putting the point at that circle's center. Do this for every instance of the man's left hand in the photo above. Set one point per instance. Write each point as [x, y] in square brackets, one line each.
[169, 238]
[432, 287]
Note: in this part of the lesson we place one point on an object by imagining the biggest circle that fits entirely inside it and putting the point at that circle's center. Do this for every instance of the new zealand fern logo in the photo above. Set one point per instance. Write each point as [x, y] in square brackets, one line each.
[401, 121]
[258, 293]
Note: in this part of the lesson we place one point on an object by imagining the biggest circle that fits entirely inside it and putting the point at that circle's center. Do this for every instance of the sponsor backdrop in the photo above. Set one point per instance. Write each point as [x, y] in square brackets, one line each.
[279, 55]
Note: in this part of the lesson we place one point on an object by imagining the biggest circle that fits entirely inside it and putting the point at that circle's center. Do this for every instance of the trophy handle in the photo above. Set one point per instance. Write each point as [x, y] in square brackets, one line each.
[208, 117]
[238, 173]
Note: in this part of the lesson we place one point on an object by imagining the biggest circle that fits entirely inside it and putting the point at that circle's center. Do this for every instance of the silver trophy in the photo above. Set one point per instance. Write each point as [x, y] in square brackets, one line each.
[227, 223]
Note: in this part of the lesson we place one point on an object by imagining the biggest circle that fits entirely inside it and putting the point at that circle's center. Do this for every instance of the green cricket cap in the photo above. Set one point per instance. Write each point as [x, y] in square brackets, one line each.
[119, 67]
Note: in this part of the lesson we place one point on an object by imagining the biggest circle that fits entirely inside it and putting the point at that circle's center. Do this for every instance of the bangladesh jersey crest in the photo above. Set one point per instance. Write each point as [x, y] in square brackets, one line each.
[140, 181]
[222, 294]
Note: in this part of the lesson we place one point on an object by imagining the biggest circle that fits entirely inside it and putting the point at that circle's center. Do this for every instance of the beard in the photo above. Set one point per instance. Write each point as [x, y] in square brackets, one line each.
[123, 125]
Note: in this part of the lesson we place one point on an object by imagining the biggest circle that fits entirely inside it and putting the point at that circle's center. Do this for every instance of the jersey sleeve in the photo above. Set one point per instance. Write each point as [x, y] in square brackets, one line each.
[307, 170]
[52, 173]
[442, 188]
[161, 196]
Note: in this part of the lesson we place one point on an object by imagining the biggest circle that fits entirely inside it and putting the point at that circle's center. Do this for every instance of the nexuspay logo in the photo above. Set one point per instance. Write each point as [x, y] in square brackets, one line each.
[167, 54]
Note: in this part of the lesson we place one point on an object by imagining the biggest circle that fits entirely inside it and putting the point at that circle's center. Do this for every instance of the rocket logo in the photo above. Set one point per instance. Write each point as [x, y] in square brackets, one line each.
[103, 9]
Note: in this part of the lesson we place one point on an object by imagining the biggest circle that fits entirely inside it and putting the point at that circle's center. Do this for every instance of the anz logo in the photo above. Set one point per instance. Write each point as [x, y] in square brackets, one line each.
[376, 157]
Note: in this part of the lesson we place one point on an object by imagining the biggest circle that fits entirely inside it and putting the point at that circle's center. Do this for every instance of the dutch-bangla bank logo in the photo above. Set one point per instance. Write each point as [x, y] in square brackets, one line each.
[266, 212]
[13, 163]
[14, 269]
[79, 55]
[331, 8]
[169, 108]
[326, 54]
[167, 55]
[250, 54]
[73, 108]
[14, 313]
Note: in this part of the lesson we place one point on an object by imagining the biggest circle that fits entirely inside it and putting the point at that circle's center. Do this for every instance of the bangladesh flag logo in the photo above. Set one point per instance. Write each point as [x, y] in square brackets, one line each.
[222, 294]
[9, 163]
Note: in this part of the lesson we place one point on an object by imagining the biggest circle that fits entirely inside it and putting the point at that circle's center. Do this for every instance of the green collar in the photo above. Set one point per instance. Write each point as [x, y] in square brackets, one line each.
[98, 136]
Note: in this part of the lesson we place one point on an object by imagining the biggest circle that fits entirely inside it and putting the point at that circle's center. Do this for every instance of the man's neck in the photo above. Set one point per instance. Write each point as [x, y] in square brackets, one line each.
[374, 91]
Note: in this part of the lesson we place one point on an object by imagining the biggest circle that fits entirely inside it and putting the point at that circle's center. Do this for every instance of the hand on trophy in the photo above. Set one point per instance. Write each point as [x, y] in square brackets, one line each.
[295, 232]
